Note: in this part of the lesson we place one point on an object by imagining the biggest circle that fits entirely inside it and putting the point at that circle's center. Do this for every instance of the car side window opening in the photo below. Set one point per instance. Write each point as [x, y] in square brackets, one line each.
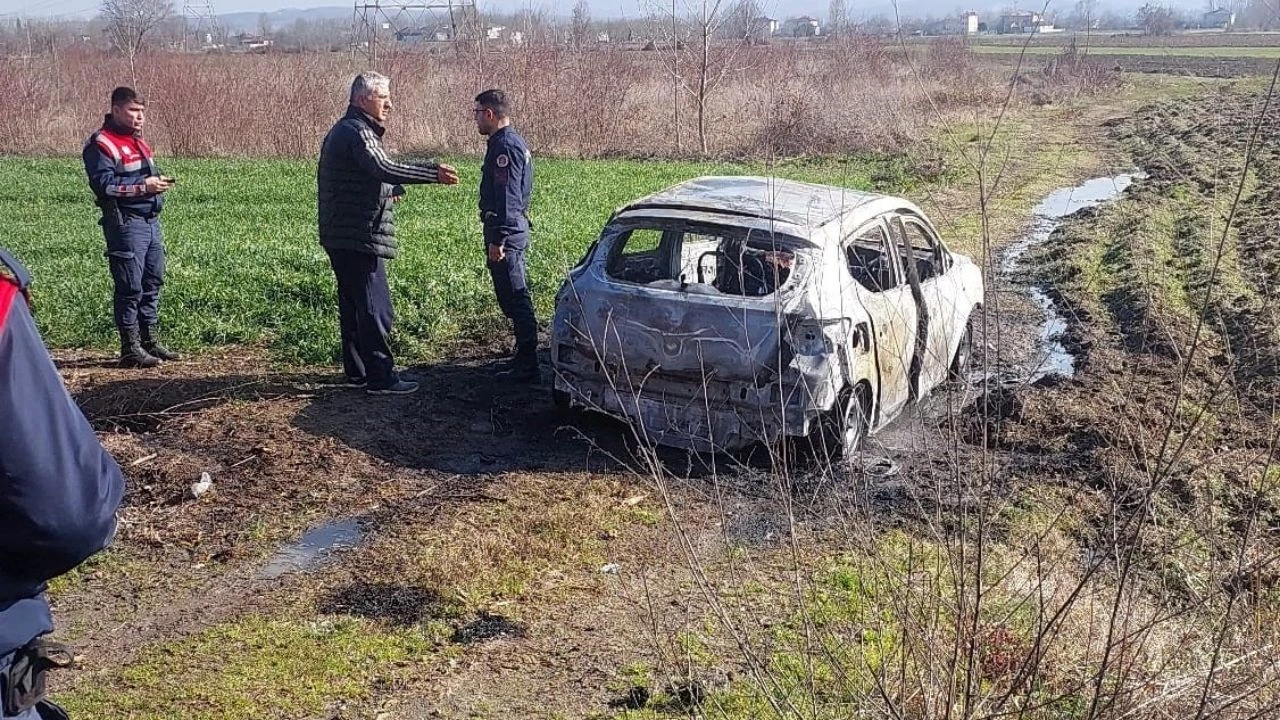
[920, 245]
[870, 259]
[639, 257]
[729, 263]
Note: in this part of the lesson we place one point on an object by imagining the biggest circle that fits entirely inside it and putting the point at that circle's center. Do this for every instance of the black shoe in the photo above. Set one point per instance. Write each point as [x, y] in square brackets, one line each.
[353, 382]
[132, 354]
[400, 387]
[521, 373]
[152, 345]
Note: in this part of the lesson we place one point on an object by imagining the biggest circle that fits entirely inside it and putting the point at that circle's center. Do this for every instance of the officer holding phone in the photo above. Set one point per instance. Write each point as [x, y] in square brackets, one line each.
[130, 192]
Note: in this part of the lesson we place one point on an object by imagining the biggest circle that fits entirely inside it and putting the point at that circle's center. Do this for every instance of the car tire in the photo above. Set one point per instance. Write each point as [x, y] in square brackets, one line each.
[854, 423]
[843, 431]
[960, 363]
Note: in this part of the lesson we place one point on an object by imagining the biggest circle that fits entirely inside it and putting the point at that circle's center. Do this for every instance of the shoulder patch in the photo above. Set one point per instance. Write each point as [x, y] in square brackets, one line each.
[502, 160]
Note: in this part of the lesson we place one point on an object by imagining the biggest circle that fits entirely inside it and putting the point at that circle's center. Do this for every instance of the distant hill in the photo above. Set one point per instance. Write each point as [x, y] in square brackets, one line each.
[606, 9]
[249, 21]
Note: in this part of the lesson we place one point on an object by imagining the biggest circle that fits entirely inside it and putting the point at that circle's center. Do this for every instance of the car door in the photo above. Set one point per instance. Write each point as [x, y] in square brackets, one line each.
[927, 264]
[875, 284]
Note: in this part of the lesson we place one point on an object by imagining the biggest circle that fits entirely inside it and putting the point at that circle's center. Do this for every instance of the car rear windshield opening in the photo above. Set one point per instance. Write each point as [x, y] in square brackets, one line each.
[703, 260]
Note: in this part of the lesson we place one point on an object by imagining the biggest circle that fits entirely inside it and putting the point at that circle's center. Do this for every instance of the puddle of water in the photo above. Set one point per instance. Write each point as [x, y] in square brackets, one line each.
[1056, 359]
[314, 548]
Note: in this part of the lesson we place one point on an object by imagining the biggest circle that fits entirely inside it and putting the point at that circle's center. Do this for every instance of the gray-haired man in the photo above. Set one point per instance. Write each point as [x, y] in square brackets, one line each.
[358, 185]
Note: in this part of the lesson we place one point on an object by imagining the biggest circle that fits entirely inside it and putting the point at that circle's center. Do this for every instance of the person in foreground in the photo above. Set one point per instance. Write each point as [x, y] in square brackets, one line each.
[59, 492]
[357, 187]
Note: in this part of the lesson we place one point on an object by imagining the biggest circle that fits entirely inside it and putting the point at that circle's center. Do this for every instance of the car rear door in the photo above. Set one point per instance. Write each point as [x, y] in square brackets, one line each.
[927, 266]
[876, 284]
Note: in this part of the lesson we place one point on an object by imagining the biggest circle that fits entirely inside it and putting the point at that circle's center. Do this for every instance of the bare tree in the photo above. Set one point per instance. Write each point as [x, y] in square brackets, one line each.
[837, 18]
[1262, 14]
[580, 25]
[741, 23]
[1156, 19]
[692, 42]
[129, 22]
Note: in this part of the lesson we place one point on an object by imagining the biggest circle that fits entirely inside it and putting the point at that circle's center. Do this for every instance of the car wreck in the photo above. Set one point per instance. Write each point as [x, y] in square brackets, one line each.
[728, 311]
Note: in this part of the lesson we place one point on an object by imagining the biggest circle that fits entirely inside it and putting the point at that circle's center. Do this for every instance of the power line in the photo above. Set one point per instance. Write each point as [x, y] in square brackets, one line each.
[200, 23]
[407, 23]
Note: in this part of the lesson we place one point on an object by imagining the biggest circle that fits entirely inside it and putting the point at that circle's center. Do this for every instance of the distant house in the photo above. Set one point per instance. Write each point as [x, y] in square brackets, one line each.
[602, 37]
[966, 24]
[247, 41]
[1024, 21]
[1221, 18]
[422, 35]
[803, 26]
[763, 28]
[494, 32]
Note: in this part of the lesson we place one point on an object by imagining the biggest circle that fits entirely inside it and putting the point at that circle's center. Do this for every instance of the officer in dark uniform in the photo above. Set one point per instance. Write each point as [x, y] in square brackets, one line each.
[59, 492]
[130, 191]
[505, 186]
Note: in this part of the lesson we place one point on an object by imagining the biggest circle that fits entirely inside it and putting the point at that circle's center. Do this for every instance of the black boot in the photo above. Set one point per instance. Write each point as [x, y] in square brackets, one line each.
[131, 353]
[152, 345]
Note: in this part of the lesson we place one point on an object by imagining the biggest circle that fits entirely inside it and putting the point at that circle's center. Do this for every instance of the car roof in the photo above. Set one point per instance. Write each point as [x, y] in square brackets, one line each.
[804, 205]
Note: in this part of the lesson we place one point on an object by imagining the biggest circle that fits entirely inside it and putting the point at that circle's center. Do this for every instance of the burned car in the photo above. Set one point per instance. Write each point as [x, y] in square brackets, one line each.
[727, 311]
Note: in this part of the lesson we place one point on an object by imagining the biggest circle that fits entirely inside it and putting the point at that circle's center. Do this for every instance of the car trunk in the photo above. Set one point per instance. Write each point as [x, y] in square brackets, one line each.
[661, 334]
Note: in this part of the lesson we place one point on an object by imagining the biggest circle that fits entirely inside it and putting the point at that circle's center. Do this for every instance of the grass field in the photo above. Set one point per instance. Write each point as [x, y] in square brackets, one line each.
[244, 264]
[1154, 50]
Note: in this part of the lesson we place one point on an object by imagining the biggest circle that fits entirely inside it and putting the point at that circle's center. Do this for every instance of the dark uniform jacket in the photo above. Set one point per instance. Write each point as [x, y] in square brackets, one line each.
[505, 187]
[356, 181]
[118, 163]
[59, 489]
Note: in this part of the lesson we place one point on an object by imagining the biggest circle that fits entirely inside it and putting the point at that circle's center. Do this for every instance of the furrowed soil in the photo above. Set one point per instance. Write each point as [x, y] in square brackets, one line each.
[474, 554]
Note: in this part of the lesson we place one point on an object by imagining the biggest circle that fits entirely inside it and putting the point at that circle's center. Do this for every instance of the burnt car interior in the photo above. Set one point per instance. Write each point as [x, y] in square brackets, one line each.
[869, 260]
[703, 259]
[923, 249]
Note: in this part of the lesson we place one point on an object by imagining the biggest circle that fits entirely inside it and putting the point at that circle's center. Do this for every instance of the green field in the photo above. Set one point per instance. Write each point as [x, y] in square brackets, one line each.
[1150, 51]
[244, 264]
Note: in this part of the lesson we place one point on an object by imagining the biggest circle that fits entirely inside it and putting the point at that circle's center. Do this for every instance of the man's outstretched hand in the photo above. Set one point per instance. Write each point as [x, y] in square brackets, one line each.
[447, 175]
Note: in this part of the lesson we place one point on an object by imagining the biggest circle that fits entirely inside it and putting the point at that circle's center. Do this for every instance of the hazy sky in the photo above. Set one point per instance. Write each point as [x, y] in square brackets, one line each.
[599, 8]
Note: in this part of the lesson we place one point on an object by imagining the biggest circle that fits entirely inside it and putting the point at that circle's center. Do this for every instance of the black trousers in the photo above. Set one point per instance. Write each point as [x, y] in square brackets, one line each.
[365, 317]
[510, 284]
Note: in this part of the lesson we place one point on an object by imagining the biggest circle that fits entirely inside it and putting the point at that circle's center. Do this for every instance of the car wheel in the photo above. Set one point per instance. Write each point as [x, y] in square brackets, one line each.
[843, 430]
[959, 372]
[854, 423]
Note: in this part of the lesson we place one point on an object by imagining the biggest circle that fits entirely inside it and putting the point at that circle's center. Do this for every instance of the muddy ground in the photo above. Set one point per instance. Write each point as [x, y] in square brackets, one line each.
[540, 560]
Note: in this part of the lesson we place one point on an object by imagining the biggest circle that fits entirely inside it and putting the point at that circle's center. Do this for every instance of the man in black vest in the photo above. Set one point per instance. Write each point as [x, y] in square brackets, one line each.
[357, 186]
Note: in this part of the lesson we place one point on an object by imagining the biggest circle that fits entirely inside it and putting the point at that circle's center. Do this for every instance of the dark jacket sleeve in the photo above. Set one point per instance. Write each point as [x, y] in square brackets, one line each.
[101, 169]
[503, 201]
[369, 154]
[59, 488]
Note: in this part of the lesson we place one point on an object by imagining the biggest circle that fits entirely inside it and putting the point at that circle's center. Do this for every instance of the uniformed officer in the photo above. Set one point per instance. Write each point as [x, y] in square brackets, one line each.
[505, 186]
[59, 492]
[130, 191]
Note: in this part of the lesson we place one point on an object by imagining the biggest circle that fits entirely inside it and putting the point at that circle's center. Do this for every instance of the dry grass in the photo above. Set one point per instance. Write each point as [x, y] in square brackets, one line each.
[773, 100]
